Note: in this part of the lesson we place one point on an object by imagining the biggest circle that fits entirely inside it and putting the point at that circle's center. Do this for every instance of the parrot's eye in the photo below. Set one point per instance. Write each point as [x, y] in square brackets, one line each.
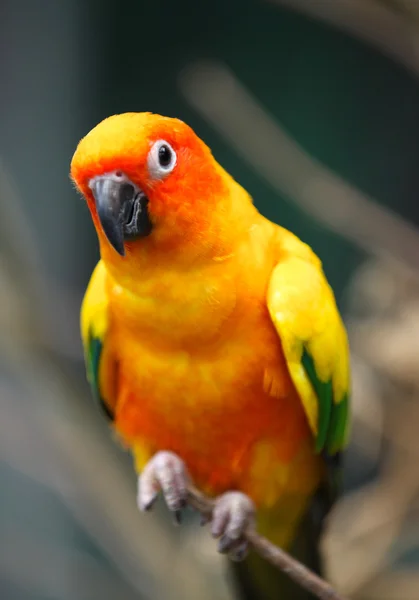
[161, 159]
[165, 156]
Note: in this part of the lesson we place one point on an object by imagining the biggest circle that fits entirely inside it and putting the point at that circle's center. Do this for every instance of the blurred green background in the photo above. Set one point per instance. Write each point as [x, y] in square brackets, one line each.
[352, 111]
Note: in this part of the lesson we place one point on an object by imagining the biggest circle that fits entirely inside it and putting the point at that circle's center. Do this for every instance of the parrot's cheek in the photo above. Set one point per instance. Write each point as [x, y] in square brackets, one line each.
[122, 208]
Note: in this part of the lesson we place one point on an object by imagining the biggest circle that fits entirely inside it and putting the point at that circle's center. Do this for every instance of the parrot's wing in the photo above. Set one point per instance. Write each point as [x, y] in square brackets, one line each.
[94, 327]
[303, 309]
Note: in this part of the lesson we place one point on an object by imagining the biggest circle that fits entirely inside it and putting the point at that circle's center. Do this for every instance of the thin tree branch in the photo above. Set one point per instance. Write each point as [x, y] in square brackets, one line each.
[280, 559]
[388, 31]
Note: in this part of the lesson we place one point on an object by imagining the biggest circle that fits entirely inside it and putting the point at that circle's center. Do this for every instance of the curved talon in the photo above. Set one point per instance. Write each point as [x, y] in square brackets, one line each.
[167, 473]
[240, 552]
[236, 550]
[232, 515]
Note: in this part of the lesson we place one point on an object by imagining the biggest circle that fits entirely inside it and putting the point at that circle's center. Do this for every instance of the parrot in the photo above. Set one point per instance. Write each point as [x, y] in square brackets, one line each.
[213, 343]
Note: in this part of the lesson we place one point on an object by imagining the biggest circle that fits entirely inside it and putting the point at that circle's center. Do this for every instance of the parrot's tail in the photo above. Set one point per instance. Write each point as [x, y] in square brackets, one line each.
[256, 579]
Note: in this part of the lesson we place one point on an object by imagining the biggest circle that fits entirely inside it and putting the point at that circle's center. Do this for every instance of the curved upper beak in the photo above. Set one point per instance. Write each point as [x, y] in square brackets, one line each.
[121, 207]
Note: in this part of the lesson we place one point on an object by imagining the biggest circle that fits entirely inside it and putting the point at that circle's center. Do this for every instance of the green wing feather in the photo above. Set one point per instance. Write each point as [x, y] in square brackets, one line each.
[333, 417]
[92, 359]
[303, 309]
[94, 327]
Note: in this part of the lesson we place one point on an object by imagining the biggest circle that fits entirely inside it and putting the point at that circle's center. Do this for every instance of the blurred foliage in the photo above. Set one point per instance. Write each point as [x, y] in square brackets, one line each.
[69, 525]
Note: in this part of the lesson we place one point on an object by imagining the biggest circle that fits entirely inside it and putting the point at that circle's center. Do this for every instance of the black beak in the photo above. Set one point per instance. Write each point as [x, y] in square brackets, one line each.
[122, 209]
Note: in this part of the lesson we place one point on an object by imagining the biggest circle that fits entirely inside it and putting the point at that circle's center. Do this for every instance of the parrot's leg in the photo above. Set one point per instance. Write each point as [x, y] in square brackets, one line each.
[166, 473]
[233, 513]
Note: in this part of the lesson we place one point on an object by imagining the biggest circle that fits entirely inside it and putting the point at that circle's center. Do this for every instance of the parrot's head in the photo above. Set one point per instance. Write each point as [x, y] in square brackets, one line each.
[149, 179]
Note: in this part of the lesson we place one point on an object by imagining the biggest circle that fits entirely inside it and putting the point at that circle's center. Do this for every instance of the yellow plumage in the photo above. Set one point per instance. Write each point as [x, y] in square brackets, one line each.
[216, 336]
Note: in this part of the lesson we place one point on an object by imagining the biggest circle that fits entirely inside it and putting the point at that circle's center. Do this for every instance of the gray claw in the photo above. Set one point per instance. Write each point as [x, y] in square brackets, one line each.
[167, 473]
[234, 512]
[240, 552]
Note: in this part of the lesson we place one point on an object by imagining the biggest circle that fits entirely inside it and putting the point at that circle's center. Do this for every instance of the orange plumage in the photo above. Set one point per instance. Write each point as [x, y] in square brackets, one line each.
[192, 361]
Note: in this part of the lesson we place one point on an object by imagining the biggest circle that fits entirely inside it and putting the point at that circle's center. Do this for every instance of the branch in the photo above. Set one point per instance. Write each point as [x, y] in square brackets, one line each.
[391, 32]
[283, 561]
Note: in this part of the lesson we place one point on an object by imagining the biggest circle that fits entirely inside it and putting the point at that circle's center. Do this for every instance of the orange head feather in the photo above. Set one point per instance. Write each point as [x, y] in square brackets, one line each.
[187, 195]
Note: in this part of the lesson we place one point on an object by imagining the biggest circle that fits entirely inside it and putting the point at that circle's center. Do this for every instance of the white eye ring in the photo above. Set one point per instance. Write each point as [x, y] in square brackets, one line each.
[161, 159]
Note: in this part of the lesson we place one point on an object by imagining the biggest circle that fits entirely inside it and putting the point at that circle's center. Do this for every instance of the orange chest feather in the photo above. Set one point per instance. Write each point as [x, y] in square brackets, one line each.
[202, 373]
[211, 409]
[211, 404]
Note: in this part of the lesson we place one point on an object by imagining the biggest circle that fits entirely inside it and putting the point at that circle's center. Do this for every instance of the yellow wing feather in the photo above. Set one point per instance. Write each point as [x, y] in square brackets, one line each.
[303, 309]
[94, 309]
[100, 365]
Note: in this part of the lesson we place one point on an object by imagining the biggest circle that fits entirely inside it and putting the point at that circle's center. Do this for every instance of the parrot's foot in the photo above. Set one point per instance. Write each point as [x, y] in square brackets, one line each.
[234, 512]
[167, 473]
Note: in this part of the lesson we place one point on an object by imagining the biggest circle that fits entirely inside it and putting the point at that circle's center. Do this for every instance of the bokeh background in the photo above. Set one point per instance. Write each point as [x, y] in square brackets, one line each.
[314, 107]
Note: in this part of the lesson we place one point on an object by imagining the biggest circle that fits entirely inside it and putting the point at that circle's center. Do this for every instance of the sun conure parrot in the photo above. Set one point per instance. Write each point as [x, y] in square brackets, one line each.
[213, 341]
